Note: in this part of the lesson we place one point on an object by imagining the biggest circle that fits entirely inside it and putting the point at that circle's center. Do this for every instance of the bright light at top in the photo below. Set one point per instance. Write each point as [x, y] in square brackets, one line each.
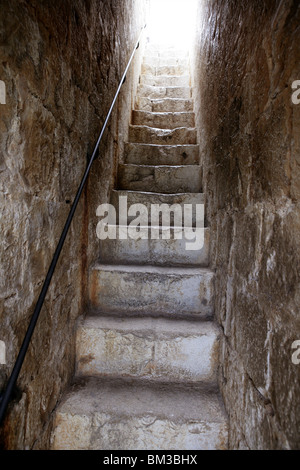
[172, 22]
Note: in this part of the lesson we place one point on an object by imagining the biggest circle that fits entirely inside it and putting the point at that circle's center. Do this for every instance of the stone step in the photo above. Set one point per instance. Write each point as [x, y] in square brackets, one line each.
[150, 199]
[169, 54]
[174, 292]
[148, 154]
[165, 105]
[163, 120]
[152, 135]
[154, 61]
[160, 179]
[148, 69]
[165, 52]
[128, 414]
[156, 348]
[155, 92]
[165, 80]
[156, 246]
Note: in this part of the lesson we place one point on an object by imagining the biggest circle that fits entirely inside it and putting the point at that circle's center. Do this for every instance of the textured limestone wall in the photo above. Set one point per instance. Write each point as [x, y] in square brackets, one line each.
[61, 63]
[247, 57]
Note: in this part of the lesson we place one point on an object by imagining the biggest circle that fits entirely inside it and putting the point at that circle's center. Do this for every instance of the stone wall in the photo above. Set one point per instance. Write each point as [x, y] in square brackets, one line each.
[61, 63]
[247, 57]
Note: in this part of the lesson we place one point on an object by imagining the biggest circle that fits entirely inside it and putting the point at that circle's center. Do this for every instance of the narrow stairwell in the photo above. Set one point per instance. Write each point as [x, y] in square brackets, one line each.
[147, 352]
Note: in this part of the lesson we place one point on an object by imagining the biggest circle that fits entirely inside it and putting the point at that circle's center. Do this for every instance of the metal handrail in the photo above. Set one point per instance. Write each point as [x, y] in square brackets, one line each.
[5, 397]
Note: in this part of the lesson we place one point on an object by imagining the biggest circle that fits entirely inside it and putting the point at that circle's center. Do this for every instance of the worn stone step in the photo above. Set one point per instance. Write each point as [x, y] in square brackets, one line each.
[155, 92]
[167, 61]
[160, 179]
[164, 105]
[178, 69]
[152, 135]
[165, 52]
[165, 80]
[155, 245]
[152, 291]
[163, 120]
[149, 154]
[149, 199]
[157, 348]
[127, 414]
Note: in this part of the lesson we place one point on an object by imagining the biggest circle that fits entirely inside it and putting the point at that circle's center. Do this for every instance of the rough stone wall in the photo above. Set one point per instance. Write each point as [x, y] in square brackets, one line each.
[61, 62]
[247, 57]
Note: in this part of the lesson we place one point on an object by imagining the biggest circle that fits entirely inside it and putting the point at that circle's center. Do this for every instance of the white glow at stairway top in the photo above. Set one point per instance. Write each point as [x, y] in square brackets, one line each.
[172, 22]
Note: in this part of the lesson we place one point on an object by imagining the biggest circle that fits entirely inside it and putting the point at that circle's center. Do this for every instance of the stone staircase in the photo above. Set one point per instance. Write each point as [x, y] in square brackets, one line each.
[147, 352]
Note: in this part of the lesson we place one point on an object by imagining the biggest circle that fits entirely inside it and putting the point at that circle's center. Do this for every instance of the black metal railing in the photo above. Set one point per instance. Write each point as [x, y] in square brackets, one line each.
[6, 396]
